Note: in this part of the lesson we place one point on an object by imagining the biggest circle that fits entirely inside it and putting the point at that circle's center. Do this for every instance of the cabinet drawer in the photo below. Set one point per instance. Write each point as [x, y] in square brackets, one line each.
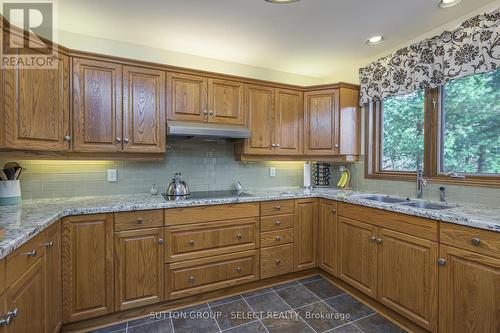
[276, 260]
[197, 276]
[139, 219]
[472, 239]
[176, 216]
[276, 222]
[278, 237]
[24, 257]
[200, 240]
[278, 207]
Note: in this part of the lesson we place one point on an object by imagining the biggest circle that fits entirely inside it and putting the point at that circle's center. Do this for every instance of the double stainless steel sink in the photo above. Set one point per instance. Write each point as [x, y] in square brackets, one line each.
[406, 202]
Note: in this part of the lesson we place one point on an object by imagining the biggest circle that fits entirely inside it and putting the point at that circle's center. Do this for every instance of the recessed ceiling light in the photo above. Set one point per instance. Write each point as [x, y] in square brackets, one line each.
[281, 1]
[448, 3]
[374, 40]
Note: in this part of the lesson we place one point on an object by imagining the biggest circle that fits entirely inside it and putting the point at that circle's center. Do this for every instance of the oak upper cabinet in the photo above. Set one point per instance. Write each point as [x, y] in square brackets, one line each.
[37, 110]
[288, 122]
[407, 276]
[327, 237]
[321, 122]
[187, 97]
[27, 296]
[259, 104]
[53, 284]
[305, 233]
[143, 110]
[349, 121]
[139, 267]
[87, 266]
[469, 289]
[225, 102]
[358, 254]
[97, 106]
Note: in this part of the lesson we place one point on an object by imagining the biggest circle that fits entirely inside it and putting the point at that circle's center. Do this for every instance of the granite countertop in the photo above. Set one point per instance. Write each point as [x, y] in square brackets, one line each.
[24, 221]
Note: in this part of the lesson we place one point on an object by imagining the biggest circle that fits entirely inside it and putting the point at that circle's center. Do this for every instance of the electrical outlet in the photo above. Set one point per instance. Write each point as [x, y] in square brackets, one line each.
[111, 175]
[342, 168]
[272, 171]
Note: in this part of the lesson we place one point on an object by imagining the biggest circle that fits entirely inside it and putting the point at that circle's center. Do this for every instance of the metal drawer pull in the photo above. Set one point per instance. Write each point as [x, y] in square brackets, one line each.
[277, 207]
[191, 279]
[8, 318]
[441, 262]
[118, 140]
[67, 138]
[475, 241]
[161, 241]
[238, 269]
[29, 254]
[191, 242]
[334, 210]
[373, 239]
[379, 241]
[278, 238]
[49, 244]
[277, 222]
[140, 220]
[278, 261]
[239, 236]
[125, 140]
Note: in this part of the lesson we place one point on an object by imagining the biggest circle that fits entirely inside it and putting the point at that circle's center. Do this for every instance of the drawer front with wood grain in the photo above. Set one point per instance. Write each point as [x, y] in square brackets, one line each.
[24, 257]
[200, 240]
[276, 260]
[198, 276]
[279, 207]
[278, 237]
[138, 219]
[176, 216]
[472, 239]
[276, 222]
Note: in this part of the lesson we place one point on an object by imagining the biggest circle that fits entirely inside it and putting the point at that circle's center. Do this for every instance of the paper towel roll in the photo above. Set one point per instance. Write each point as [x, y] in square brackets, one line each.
[307, 174]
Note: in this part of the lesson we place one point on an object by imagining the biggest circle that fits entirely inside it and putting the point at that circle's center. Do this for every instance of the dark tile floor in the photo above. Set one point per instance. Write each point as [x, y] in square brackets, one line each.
[310, 305]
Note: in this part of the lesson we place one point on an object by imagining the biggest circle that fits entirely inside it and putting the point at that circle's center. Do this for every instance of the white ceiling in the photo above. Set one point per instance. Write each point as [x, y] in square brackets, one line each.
[317, 38]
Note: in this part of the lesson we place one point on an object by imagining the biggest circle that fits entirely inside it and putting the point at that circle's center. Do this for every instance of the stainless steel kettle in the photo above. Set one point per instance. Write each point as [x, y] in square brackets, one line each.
[177, 187]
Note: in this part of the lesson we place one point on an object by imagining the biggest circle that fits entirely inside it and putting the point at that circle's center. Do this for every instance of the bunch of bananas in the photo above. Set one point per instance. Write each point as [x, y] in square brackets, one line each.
[345, 177]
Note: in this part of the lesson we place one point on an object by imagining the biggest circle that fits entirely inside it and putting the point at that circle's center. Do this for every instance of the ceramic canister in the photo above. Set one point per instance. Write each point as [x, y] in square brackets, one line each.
[10, 192]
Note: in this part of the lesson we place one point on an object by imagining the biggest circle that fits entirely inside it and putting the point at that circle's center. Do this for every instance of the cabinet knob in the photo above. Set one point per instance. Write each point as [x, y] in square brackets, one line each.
[67, 138]
[205, 112]
[278, 238]
[118, 140]
[239, 236]
[191, 279]
[8, 318]
[278, 262]
[125, 140]
[277, 222]
[475, 241]
[273, 145]
[161, 241]
[30, 254]
[441, 262]
[334, 210]
[211, 113]
[191, 242]
[336, 145]
[277, 207]
[238, 269]
[278, 145]
[373, 239]
[49, 244]
[140, 220]
[379, 241]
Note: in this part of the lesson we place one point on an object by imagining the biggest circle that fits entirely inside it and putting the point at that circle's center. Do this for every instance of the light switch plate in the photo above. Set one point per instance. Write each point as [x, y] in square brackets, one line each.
[272, 171]
[111, 175]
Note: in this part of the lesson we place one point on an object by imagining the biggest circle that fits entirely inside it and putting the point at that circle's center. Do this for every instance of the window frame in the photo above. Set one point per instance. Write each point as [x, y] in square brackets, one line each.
[433, 112]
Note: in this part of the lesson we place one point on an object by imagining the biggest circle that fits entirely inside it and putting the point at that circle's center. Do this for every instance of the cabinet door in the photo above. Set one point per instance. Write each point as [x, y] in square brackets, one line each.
[288, 122]
[358, 254]
[469, 289]
[305, 234]
[37, 108]
[407, 277]
[225, 100]
[143, 110]
[97, 106]
[187, 97]
[27, 295]
[87, 266]
[53, 284]
[139, 268]
[259, 105]
[327, 235]
[321, 122]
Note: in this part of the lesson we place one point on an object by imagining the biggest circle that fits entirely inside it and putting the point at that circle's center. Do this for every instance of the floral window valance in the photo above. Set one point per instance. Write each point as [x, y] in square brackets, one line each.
[472, 48]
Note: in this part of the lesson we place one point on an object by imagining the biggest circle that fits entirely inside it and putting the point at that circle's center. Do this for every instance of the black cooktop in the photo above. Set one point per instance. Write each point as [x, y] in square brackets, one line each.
[208, 195]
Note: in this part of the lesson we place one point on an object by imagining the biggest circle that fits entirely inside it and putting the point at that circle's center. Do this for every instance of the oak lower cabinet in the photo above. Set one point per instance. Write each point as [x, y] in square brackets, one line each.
[87, 266]
[139, 267]
[305, 234]
[469, 292]
[53, 283]
[327, 237]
